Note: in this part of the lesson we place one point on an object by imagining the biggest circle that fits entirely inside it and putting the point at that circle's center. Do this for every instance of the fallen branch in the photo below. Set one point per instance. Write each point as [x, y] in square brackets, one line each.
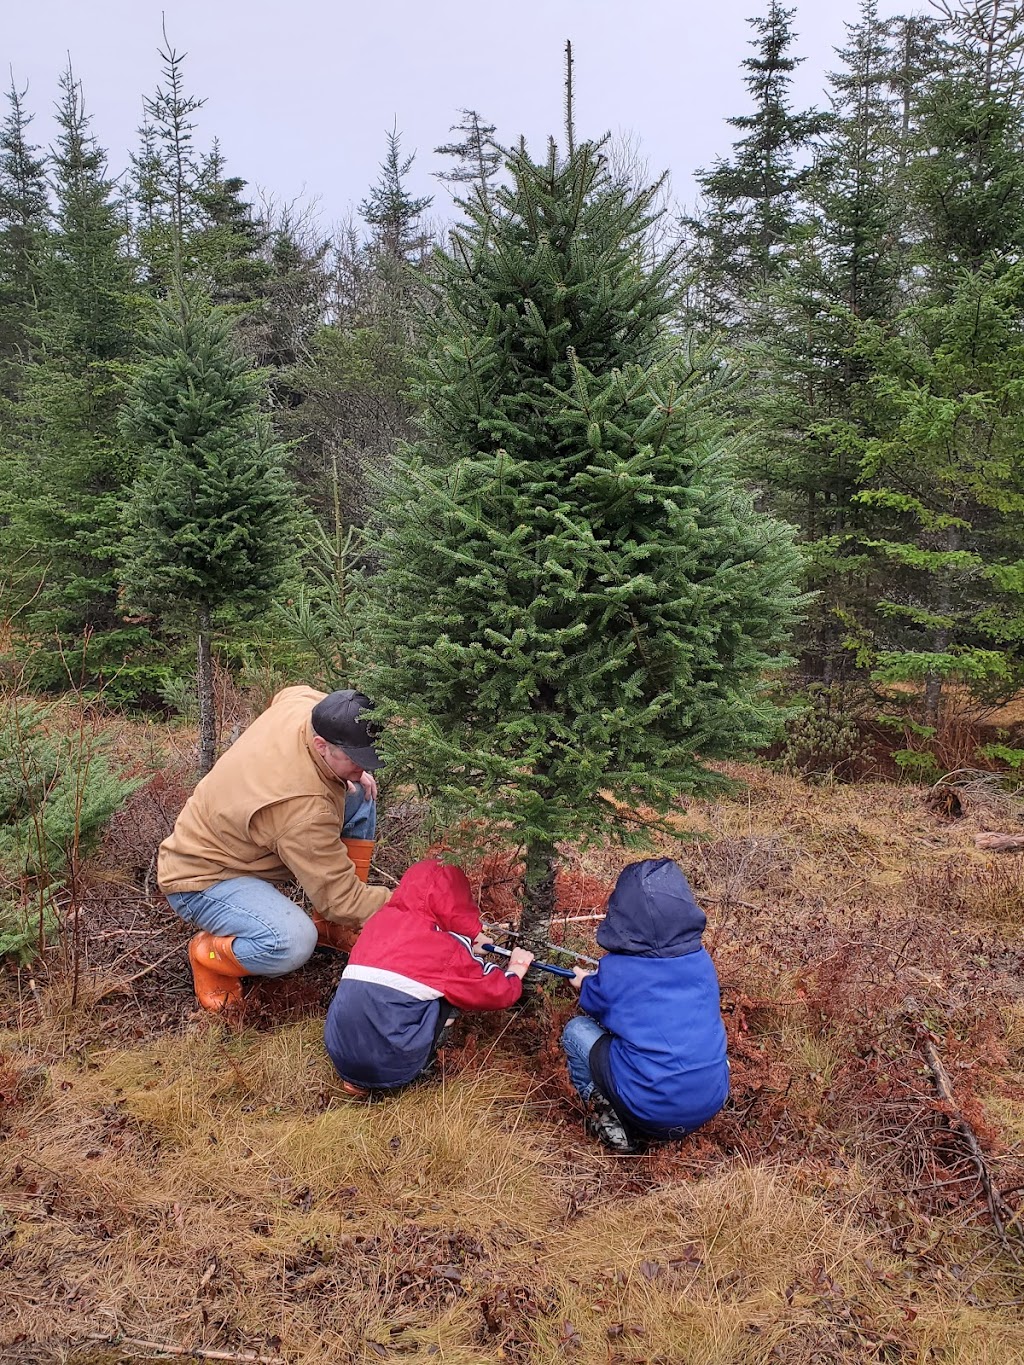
[1000, 843]
[197, 1352]
[1002, 1214]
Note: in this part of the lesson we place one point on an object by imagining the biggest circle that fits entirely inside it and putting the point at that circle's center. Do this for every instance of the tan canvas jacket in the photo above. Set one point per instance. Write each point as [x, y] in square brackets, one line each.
[270, 808]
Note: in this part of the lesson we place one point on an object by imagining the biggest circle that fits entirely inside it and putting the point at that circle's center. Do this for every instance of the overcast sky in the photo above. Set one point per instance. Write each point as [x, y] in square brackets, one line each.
[300, 92]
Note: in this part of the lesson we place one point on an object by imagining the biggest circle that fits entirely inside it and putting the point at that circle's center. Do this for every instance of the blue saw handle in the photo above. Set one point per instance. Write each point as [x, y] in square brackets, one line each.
[542, 966]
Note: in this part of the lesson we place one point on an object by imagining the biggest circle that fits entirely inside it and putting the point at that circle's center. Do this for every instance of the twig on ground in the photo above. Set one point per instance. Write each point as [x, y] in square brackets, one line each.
[123, 985]
[128, 933]
[198, 1352]
[148, 882]
[1002, 1214]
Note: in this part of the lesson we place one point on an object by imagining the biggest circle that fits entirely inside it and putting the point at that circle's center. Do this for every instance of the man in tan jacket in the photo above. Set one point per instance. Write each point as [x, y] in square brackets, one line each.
[293, 798]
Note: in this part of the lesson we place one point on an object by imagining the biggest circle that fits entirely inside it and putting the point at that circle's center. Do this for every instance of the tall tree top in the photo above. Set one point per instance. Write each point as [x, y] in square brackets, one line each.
[23, 197]
[476, 157]
[169, 112]
[752, 198]
[392, 212]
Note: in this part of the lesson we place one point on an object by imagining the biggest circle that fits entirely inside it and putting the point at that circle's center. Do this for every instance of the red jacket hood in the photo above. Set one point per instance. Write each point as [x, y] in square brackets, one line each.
[440, 894]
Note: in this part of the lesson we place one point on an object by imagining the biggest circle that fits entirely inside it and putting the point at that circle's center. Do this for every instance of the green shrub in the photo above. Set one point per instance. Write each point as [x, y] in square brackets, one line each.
[917, 764]
[1004, 753]
[57, 792]
[824, 742]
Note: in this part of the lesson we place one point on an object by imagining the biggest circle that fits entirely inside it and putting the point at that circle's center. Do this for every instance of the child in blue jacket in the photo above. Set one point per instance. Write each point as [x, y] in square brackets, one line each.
[650, 1058]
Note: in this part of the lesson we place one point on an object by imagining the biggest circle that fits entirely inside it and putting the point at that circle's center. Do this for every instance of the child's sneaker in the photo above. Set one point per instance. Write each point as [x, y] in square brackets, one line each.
[603, 1123]
[355, 1092]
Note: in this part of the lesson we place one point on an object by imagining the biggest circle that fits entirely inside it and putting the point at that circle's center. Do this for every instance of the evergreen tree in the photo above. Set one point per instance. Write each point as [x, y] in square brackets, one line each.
[230, 243]
[146, 196]
[169, 116]
[350, 407]
[297, 296]
[393, 213]
[574, 597]
[68, 467]
[167, 168]
[810, 399]
[941, 467]
[947, 468]
[477, 158]
[968, 176]
[24, 222]
[738, 243]
[212, 512]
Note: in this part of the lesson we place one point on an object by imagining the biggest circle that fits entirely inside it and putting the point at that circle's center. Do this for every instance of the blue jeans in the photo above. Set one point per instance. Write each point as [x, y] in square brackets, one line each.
[271, 934]
[578, 1038]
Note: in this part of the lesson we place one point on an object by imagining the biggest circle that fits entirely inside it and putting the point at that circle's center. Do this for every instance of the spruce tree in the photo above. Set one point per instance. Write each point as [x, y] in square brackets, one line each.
[211, 517]
[946, 468]
[576, 603]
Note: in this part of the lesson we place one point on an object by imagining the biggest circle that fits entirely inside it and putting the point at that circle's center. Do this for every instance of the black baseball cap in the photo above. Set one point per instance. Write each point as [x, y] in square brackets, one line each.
[340, 719]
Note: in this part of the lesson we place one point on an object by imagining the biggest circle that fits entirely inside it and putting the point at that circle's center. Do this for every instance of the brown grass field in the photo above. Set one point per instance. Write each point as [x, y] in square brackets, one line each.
[179, 1188]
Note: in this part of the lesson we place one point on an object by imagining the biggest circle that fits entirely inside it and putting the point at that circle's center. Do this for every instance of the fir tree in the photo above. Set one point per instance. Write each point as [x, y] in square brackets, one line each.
[68, 467]
[941, 467]
[946, 467]
[212, 513]
[297, 296]
[575, 598]
[811, 401]
[24, 222]
[229, 247]
[968, 177]
[146, 189]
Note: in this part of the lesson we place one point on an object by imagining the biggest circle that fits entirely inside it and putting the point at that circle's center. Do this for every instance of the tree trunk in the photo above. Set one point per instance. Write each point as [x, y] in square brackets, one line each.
[538, 891]
[941, 637]
[204, 687]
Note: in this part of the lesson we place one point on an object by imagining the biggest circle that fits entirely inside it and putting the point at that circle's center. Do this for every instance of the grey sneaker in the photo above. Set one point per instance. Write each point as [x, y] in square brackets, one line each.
[603, 1123]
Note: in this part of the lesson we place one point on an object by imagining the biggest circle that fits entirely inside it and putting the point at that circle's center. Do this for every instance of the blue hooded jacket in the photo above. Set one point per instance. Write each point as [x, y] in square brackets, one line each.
[663, 1063]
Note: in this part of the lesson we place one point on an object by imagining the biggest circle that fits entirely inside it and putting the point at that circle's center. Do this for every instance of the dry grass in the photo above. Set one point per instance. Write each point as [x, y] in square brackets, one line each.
[176, 1181]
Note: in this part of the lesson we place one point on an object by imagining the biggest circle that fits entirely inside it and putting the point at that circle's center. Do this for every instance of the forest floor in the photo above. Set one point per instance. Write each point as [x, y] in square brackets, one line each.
[172, 1185]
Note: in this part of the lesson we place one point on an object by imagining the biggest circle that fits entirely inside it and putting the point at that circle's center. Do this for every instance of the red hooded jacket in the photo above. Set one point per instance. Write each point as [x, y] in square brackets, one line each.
[411, 954]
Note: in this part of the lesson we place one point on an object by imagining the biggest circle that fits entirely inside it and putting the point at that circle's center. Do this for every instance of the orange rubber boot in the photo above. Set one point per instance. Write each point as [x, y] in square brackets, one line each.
[216, 971]
[331, 935]
[360, 851]
[338, 936]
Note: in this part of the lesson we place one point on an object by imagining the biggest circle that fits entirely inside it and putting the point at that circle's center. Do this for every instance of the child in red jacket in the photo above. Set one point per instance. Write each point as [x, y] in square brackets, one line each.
[412, 967]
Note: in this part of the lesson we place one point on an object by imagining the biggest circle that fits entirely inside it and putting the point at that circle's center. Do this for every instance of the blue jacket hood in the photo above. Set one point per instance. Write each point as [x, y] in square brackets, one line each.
[652, 912]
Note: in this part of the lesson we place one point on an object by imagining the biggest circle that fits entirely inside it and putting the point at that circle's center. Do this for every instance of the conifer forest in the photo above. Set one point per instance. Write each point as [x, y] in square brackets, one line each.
[654, 526]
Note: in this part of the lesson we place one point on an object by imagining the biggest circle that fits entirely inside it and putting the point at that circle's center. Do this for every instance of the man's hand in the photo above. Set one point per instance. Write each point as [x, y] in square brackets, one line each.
[578, 978]
[519, 962]
[478, 943]
[369, 785]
